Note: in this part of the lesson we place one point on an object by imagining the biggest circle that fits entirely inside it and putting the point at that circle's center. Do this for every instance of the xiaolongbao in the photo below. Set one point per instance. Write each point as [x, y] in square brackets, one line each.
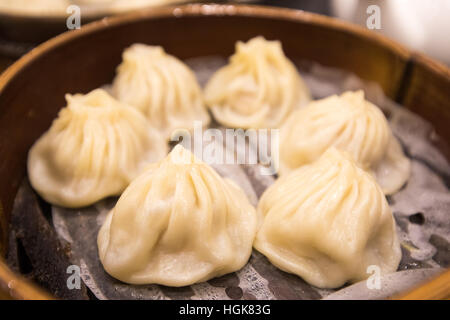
[176, 224]
[350, 123]
[327, 222]
[160, 86]
[93, 149]
[259, 88]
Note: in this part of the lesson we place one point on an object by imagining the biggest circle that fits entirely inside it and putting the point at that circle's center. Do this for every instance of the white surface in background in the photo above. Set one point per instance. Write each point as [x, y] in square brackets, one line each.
[418, 24]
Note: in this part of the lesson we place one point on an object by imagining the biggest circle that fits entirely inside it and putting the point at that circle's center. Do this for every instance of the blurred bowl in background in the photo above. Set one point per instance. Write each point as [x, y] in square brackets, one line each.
[420, 25]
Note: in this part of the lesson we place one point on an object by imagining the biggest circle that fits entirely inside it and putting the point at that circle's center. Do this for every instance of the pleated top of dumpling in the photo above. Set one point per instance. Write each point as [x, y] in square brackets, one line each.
[92, 150]
[350, 123]
[259, 87]
[176, 224]
[327, 222]
[162, 87]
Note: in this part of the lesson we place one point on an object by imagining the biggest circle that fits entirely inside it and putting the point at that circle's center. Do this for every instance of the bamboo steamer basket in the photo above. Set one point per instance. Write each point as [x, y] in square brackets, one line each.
[81, 60]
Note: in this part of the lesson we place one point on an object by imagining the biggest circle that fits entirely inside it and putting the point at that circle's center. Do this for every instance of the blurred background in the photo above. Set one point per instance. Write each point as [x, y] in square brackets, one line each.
[418, 24]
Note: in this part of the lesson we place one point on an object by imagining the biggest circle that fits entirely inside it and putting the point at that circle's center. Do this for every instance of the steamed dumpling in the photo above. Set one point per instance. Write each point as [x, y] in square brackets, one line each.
[327, 222]
[178, 223]
[161, 87]
[259, 88]
[92, 150]
[350, 123]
